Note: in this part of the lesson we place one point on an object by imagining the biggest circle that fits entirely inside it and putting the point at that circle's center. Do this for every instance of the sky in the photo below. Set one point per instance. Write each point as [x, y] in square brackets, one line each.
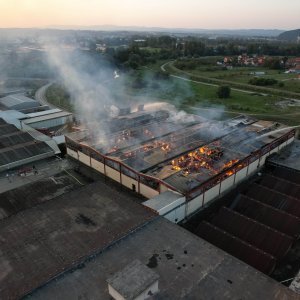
[206, 14]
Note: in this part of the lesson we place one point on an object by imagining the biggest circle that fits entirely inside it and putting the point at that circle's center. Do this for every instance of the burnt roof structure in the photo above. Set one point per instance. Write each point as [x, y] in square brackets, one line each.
[182, 151]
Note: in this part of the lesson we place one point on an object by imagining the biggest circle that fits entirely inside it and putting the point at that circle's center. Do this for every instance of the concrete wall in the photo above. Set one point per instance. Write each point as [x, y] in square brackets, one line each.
[253, 167]
[211, 194]
[263, 159]
[72, 153]
[153, 289]
[112, 173]
[147, 191]
[97, 165]
[84, 158]
[241, 174]
[176, 215]
[290, 140]
[128, 182]
[227, 183]
[163, 188]
[194, 204]
[115, 295]
[51, 123]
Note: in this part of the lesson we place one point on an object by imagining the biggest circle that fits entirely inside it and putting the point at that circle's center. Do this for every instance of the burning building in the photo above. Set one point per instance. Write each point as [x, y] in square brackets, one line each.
[196, 160]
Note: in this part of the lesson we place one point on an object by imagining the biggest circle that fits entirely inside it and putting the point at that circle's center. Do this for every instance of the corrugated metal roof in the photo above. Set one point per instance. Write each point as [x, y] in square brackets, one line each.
[281, 185]
[48, 117]
[16, 99]
[256, 258]
[258, 235]
[288, 174]
[16, 145]
[273, 198]
[43, 113]
[268, 215]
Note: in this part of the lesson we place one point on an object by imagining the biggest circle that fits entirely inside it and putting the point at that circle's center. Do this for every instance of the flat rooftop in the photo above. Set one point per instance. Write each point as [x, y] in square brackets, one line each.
[288, 157]
[46, 240]
[188, 268]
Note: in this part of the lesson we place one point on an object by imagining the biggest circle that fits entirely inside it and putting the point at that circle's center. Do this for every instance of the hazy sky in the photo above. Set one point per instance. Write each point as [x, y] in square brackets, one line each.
[283, 14]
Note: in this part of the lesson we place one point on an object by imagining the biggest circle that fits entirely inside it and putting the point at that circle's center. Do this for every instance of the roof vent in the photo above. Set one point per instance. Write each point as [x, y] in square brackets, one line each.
[134, 282]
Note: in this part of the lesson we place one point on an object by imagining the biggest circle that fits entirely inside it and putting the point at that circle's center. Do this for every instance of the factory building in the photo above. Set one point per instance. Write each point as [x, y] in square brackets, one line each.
[49, 119]
[18, 102]
[20, 147]
[194, 159]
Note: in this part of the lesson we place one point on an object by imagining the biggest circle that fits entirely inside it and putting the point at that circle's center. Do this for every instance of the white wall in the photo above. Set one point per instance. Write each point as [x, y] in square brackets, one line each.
[114, 293]
[84, 158]
[153, 288]
[274, 150]
[147, 191]
[163, 188]
[212, 193]
[263, 159]
[253, 167]
[72, 153]
[194, 204]
[128, 182]
[97, 165]
[227, 183]
[290, 140]
[112, 173]
[241, 174]
[176, 215]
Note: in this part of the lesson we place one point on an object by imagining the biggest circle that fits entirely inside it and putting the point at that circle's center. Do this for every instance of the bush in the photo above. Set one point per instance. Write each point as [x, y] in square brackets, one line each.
[223, 91]
[262, 81]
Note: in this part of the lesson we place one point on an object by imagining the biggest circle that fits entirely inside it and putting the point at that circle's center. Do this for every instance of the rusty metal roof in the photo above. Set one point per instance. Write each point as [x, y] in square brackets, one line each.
[257, 234]
[237, 247]
[281, 185]
[273, 198]
[268, 215]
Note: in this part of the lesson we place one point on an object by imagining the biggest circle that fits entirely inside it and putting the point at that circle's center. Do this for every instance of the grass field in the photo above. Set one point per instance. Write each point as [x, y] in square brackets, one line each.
[209, 69]
[192, 97]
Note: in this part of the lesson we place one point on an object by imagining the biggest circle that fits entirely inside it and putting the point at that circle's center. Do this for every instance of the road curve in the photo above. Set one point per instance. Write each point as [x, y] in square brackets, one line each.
[204, 83]
[40, 95]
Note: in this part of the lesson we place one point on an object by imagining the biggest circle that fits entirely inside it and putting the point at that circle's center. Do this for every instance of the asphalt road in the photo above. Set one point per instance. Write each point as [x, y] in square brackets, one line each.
[40, 95]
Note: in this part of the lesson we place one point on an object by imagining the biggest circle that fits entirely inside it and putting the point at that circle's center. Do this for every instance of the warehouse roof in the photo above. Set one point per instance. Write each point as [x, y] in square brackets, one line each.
[133, 280]
[250, 221]
[188, 268]
[164, 200]
[45, 117]
[43, 113]
[288, 157]
[18, 101]
[17, 146]
[54, 236]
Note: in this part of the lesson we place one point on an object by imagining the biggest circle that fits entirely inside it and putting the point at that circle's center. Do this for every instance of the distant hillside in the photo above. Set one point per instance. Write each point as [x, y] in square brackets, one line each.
[290, 35]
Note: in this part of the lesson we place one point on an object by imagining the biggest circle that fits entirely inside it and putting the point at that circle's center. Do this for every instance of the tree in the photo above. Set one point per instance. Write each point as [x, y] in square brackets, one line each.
[223, 91]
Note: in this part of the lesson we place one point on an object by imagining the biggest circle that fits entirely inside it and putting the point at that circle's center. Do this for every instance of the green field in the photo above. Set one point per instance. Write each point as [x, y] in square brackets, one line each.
[189, 96]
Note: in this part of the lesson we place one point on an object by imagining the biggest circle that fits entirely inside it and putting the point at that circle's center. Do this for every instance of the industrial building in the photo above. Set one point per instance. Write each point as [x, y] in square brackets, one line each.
[75, 245]
[196, 160]
[18, 102]
[52, 118]
[20, 147]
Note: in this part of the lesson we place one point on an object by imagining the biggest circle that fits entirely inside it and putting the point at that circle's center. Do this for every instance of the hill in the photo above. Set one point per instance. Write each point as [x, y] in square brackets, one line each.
[290, 35]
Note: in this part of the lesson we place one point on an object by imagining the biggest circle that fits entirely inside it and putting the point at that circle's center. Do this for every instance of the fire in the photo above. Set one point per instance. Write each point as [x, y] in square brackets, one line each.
[230, 163]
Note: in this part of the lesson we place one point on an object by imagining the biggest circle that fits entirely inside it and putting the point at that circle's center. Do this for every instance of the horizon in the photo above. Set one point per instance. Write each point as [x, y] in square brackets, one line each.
[208, 15]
